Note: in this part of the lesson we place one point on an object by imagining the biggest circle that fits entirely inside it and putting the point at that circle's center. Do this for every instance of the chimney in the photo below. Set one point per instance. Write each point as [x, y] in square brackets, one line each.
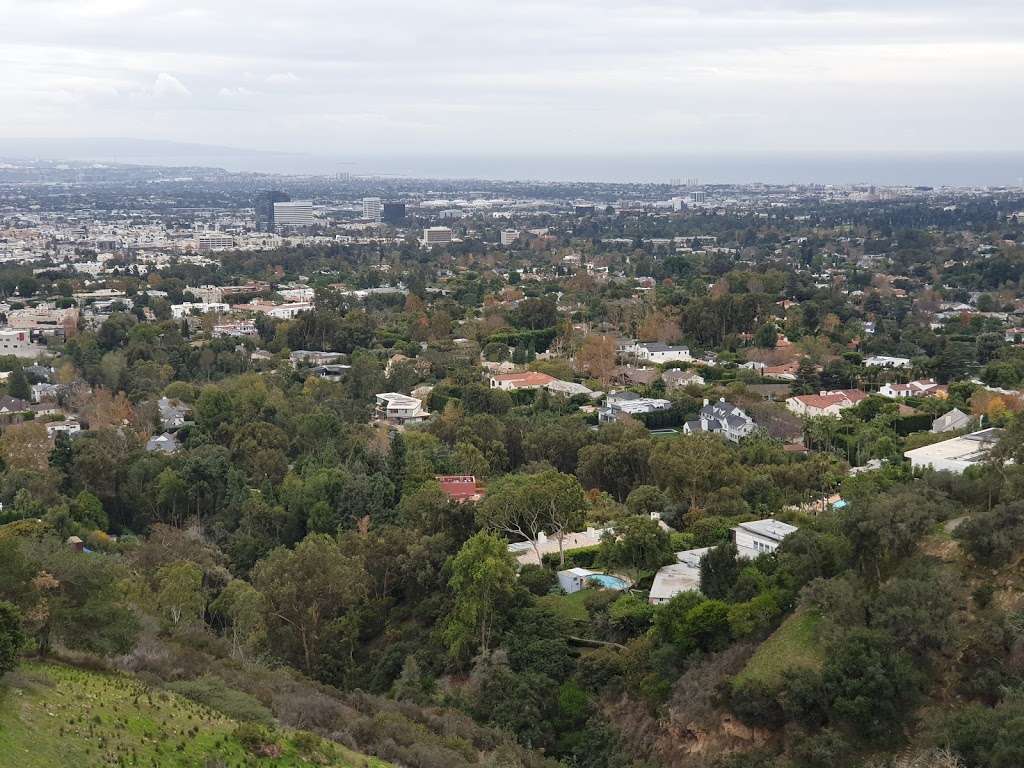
[706, 402]
[542, 537]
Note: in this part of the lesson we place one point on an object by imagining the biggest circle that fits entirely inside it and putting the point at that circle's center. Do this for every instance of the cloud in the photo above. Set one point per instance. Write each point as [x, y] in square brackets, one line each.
[240, 92]
[168, 86]
[282, 78]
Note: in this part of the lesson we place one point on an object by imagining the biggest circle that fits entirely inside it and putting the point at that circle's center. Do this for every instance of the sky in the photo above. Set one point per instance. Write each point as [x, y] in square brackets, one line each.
[519, 76]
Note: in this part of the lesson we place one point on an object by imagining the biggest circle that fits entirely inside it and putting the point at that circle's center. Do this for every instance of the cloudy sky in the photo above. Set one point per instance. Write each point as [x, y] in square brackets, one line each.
[477, 76]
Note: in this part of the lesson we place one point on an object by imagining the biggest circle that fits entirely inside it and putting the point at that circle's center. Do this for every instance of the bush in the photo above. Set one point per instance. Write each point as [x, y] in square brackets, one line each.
[537, 579]
[756, 704]
[213, 692]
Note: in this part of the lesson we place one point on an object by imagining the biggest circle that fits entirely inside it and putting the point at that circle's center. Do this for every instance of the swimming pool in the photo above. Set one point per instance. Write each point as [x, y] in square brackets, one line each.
[607, 581]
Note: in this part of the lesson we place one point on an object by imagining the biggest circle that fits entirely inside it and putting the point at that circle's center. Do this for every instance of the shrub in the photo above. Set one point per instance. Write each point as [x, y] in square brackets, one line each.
[214, 693]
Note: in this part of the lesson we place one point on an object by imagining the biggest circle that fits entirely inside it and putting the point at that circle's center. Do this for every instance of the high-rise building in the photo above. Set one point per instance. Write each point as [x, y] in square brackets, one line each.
[264, 205]
[437, 236]
[698, 197]
[393, 213]
[298, 213]
[371, 208]
[509, 236]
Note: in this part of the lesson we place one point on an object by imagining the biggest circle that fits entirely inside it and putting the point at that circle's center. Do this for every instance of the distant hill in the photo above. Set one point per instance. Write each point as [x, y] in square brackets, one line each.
[168, 153]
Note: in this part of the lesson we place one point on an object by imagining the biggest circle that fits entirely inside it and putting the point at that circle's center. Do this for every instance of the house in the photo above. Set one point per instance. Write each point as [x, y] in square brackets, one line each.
[44, 391]
[676, 379]
[398, 409]
[526, 552]
[572, 580]
[887, 361]
[525, 380]
[1014, 335]
[656, 352]
[919, 388]
[236, 329]
[952, 421]
[165, 443]
[313, 357]
[570, 389]
[69, 427]
[680, 576]
[956, 454]
[13, 409]
[631, 377]
[619, 404]
[721, 418]
[459, 488]
[334, 372]
[759, 537]
[173, 413]
[825, 403]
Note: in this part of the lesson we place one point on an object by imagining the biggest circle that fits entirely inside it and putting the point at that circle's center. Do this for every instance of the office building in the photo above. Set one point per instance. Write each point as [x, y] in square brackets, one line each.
[213, 241]
[264, 206]
[372, 208]
[698, 197]
[393, 213]
[437, 236]
[298, 213]
[509, 236]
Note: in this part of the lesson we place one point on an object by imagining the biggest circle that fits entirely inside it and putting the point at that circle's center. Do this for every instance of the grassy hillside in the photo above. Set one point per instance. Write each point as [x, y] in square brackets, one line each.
[796, 643]
[53, 716]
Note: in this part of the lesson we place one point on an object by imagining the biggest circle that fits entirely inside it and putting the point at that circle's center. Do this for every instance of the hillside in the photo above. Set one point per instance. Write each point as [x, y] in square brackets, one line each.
[53, 715]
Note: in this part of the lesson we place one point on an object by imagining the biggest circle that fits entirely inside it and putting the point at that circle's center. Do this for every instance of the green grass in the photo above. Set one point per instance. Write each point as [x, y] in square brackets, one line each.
[795, 644]
[569, 607]
[53, 716]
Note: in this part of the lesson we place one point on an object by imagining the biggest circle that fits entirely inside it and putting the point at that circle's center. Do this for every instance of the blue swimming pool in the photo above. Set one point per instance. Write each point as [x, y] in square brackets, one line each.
[607, 581]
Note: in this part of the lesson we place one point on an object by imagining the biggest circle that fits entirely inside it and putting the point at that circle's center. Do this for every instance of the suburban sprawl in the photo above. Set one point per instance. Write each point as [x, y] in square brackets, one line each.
[461, 474]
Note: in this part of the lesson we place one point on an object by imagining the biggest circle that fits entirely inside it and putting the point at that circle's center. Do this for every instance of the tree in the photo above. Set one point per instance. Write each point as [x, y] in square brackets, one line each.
[17, 384]
[240, 607]
[307, 592]
[870, 683]
[888, 528]
[525, 505]
[719, 569]
[11, 637]
[638, 543]
[483, 578]
[767, 336]
[596, 357]
[647, 501]
[691, 467]
[179, 597]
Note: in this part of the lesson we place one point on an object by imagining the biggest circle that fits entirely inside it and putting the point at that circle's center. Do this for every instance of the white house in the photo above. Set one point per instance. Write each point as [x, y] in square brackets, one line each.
[919, 388]
[69, 427]
[630, 404]
[721, 418]
[179, 311]
[956, 454]
[399, 409]
[681, 576]
[760, 537]
[887, 361]
[656, 352]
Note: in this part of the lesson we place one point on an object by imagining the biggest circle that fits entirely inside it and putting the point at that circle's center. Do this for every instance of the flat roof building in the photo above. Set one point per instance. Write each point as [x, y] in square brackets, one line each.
[956, 454]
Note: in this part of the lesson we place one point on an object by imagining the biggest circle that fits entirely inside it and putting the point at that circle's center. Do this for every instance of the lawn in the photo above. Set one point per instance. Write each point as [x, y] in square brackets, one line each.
[569, 607]
[795, 644]
[53, 716]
